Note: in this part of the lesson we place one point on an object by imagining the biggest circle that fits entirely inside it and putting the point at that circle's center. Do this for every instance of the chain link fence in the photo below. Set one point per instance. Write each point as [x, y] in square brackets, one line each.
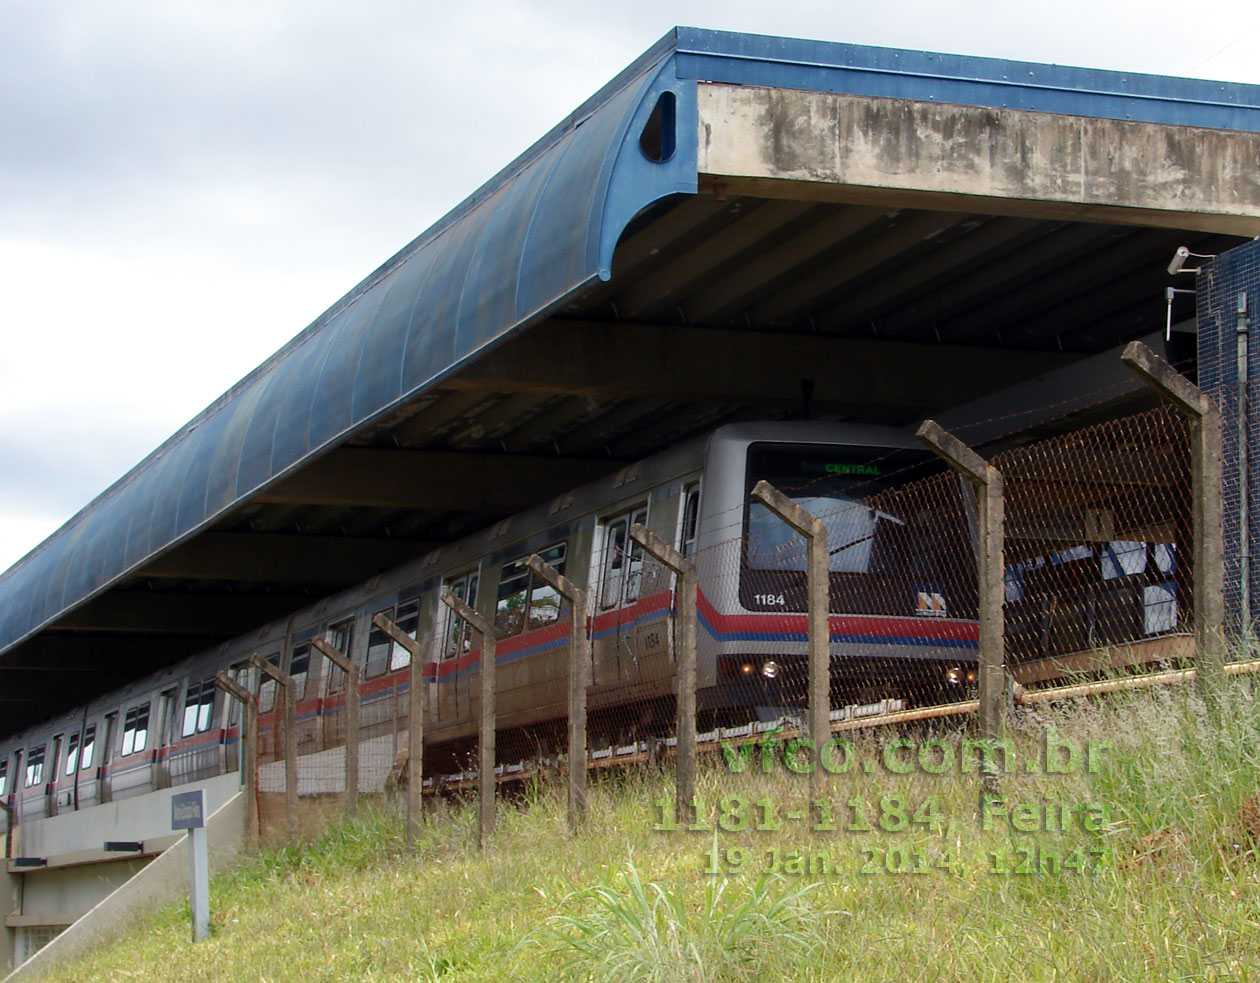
[1097, 581]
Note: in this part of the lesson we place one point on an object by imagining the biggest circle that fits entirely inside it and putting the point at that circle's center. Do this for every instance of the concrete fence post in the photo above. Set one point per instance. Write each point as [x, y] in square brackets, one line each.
[285, 682]
[485, 768]
[415, 718]
[579, 666]
[685, 658]
[343, 662]
[1208, 516]
[819, 594]
[249, 751]
[990, 574]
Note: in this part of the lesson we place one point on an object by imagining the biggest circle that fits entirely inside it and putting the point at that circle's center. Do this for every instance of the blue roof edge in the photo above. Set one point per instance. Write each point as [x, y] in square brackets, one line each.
[832, 66]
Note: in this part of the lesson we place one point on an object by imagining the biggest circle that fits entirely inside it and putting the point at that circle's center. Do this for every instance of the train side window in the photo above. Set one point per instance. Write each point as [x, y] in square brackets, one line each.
[690, 520]
[198, 708]
[299, 669]
[240, 674]
[525, 602]
[408, 622]
[544, 600]
[88, 751]
[72, 754]
[339, 636]
[378, 649]
[135, 729]
[613, 566]
[267, 691]
[458, 636]
[4, 775]
[509, 611]
[35, 766]
[622, 568]
[267, 686]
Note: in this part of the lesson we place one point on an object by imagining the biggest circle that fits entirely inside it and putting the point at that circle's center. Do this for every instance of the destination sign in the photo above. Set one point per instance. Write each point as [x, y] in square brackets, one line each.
[866, 470]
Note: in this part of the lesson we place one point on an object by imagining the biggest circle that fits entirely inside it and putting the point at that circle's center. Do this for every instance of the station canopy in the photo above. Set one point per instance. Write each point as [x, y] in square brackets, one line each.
[735, 228]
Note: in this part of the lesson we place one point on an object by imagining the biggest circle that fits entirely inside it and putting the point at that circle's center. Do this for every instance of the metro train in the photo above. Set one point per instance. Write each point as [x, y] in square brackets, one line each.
[903, 623]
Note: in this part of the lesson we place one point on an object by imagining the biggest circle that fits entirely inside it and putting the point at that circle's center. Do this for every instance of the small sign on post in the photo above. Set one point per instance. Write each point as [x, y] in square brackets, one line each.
[188, 812]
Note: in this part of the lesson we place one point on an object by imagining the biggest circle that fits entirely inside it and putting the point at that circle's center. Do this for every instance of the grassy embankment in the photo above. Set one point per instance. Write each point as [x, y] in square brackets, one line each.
[1175, 895]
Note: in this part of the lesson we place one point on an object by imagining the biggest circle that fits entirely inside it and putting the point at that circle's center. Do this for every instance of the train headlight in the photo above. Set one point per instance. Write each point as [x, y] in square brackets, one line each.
[746, 668]
[769, 668]
[954, 676]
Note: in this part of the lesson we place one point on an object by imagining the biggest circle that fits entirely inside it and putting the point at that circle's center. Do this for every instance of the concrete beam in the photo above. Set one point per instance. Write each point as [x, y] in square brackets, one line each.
[1090, 383]
[604, 360]
[863, 150]
[357, 477]
[281, 559]
[177, 613]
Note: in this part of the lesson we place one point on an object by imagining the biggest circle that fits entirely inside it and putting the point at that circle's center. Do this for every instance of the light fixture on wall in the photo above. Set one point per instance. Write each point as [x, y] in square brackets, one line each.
[1175, 266]
[1178, 264]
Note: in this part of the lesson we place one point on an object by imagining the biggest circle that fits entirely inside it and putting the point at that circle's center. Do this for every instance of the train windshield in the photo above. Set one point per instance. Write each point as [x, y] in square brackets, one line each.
[830, 483]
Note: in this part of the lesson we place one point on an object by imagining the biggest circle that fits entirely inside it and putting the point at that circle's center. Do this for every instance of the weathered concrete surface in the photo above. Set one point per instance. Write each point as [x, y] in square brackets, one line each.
[163, 880]
[791, 143]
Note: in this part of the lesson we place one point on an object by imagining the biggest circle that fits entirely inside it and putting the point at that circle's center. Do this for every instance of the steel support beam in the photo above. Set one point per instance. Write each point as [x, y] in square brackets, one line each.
[221, 615]
[281, 558]
[363, 477]
[618, 360]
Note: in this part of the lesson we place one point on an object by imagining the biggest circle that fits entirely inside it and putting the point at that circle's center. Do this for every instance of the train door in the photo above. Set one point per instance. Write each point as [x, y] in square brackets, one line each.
[4, 793]
[453, 670]
[231, 746]
[341, 637]
[80, 763]
[270, 746]
[615, 644]
[407, 617]
[31, 801]
[299, 670]
[68, 788]
[165, 733]
[15, 792]
[107, 755]
[51, 790]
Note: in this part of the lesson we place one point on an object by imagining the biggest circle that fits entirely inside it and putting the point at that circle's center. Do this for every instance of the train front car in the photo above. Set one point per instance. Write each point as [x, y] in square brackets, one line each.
[901, 569]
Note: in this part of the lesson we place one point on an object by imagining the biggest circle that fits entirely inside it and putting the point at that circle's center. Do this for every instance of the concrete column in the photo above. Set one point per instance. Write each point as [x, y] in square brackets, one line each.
[485, 768]
[579, 664]
[990, 570]
[343, 662]
[415, 718]
[819, 588]
[1208, 518]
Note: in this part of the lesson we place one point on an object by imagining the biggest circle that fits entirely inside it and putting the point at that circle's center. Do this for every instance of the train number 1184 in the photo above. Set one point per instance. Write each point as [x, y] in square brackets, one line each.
[769, 599]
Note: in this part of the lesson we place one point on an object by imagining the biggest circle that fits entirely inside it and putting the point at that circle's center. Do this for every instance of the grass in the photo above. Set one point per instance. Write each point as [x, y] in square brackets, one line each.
[1175, 896]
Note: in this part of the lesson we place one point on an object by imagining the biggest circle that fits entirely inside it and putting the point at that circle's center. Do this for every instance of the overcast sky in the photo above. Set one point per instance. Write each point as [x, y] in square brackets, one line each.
[186, 185]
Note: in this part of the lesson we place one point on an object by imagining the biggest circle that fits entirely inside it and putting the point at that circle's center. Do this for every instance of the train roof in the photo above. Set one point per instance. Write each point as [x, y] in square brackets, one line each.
[136, 579]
